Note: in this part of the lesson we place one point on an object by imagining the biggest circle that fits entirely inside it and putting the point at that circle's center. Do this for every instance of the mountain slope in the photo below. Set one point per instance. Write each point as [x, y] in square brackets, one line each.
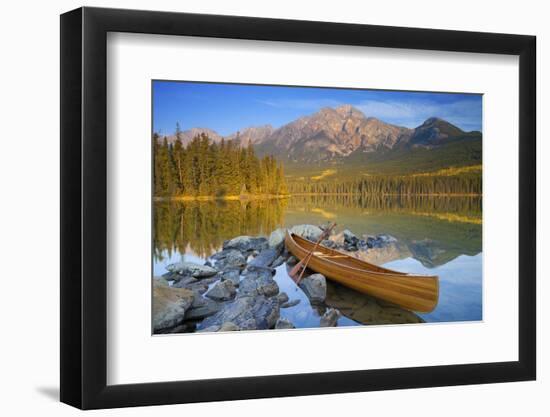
[344, 140]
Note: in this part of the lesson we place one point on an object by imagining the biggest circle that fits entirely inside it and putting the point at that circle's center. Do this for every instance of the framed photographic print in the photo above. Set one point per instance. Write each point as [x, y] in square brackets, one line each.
[297, 201]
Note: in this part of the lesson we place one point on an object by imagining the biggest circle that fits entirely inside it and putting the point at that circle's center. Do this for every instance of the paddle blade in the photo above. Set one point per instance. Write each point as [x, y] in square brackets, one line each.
[294, 271]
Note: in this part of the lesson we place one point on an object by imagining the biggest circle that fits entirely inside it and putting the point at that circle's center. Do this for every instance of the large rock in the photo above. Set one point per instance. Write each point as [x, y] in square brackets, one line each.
[229, 327]
[264, 259]
[184, 281]
[232, 275]
[282, 297]
[278, 262]
[169, 305]
[192, 269]
[350, 238]
[291, 303]
[283, 323]
[162, 280]
[307, 231]
[248, 313]
[222, 291]
[246, 243]
[201, 309]
[196, 285]
[277, 239]
[230, 258]
[315, 287]
[330, 318]
[266, 312]
[258, 282]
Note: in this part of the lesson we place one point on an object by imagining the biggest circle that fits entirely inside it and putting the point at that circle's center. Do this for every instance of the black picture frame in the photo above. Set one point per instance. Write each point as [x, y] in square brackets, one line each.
[84, 207]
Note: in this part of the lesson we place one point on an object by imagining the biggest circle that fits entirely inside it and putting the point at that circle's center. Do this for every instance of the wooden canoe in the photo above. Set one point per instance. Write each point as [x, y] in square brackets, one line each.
[412, 292]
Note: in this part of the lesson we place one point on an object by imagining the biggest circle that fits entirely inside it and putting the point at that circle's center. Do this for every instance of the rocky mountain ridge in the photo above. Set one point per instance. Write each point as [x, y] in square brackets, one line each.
[336, 133]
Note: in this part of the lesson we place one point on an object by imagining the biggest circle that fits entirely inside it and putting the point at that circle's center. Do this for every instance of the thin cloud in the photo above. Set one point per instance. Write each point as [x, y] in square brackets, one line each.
[301, 104]
[411, 113]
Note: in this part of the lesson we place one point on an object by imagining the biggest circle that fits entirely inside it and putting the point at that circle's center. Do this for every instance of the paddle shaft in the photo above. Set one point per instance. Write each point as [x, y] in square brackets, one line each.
[304, 262]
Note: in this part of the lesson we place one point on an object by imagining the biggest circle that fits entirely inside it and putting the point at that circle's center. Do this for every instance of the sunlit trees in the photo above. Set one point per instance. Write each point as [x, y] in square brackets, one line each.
[205, 168]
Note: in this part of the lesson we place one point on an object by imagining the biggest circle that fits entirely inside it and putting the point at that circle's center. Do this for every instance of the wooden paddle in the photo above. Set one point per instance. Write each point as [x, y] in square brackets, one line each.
[302, 265]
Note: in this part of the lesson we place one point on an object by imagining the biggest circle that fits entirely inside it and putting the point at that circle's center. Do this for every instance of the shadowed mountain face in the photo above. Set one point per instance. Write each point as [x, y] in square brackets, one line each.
[345, 134]
[253, 135]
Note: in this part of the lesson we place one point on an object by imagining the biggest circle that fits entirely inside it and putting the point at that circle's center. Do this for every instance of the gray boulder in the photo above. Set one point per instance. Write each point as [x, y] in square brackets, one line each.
[228, 327]
[196, 285]
[264, 259]
[266, 312]
[201, 309]
[284, 324]
[328, 243]
[232, 275]
[192, 269]
[315, 287]
[162, 281]
[209, 329]
[307, 231]
[248, 313]
[222, 291]
[230, 258]
[184, 281]
[349, 237]
[277, 239]
[169, 305]
[258, 282]
[291, 303]
[282, 297]
[279, 261]
[246, 243]
[330, 318]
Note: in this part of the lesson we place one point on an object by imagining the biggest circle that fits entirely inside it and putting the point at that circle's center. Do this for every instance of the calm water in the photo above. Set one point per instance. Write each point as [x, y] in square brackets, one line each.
[436, 235]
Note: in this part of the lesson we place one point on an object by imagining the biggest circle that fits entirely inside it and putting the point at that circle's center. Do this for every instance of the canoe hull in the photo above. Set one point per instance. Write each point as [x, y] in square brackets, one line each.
[413, 292]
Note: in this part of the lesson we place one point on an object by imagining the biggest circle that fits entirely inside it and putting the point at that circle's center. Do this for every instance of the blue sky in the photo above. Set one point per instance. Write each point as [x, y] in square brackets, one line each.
[227, 108]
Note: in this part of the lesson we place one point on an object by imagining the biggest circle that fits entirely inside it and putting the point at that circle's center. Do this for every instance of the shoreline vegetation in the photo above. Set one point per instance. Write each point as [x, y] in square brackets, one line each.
[248, 197]
[206, 170]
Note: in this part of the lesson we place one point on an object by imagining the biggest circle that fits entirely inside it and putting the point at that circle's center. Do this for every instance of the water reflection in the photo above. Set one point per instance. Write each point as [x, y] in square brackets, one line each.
[441, 235]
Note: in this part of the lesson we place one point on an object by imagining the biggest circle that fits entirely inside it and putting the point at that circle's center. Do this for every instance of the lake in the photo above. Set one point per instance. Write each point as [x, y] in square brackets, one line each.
[436, 235]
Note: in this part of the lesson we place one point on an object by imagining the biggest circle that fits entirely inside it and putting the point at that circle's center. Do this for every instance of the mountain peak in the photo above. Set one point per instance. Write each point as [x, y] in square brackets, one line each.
[432, 121]
[347, 110]
[434, 131]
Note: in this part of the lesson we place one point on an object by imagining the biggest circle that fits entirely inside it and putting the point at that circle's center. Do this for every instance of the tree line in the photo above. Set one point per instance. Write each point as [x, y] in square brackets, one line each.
[467, 184]
[206, 168]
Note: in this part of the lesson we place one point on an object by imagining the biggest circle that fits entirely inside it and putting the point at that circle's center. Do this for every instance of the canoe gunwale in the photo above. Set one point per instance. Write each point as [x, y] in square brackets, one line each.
[413, 292]
[367, 264]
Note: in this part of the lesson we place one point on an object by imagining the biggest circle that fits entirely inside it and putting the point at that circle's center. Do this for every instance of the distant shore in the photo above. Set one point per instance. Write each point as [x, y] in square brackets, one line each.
[247, 197]
[243, 197]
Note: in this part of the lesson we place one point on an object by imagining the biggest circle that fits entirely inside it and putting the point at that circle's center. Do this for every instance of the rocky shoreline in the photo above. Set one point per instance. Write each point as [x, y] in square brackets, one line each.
[235, 289]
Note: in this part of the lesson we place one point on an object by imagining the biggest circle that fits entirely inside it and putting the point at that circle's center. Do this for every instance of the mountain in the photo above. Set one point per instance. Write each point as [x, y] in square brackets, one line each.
[345, 139]
[435, 131]
[331, 133]
[253, 135]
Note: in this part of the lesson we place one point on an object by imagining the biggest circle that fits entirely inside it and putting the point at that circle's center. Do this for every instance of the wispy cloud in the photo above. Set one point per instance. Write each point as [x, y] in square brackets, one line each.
[301, 104]
[464, 113]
